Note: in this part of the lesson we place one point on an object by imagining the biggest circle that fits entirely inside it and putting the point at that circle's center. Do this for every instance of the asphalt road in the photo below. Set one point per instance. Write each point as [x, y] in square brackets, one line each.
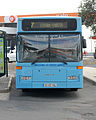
[49, 105]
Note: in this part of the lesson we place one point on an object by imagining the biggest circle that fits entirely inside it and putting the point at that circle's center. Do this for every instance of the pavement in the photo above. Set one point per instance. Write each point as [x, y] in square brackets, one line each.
[89, 69]
[89, 73]
[6, 82]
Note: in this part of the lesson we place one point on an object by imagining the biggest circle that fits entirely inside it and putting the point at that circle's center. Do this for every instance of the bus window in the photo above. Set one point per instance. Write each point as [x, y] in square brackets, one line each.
[50, 48]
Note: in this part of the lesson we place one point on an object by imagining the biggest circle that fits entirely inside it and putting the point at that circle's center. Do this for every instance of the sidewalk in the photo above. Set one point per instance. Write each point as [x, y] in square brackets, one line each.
[89, 69]
[89, 73]
[5, 84]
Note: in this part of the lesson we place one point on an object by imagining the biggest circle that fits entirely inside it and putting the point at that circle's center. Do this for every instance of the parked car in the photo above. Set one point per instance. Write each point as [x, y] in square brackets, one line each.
[11, 55]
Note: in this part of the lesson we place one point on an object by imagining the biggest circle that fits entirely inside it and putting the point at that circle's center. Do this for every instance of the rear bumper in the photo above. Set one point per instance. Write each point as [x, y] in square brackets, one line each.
[41, 85]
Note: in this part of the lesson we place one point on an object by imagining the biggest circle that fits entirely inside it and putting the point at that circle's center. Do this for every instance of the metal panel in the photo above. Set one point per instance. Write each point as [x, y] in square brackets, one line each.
[75, 83]
[26, 71]
[49, 75]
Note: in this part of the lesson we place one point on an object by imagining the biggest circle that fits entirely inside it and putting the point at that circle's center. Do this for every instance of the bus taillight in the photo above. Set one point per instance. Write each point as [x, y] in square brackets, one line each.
[79, 67]
[18, 67]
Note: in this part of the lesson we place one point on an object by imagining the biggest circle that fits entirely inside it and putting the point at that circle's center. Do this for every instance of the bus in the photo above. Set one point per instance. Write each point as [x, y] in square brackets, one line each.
[49, 53]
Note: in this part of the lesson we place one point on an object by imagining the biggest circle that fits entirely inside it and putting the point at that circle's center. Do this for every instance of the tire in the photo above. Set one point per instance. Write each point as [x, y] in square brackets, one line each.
[74, 89]
[25, 90]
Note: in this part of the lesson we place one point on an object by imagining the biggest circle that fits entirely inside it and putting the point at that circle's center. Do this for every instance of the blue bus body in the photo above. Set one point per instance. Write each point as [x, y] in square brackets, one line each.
[49, 74]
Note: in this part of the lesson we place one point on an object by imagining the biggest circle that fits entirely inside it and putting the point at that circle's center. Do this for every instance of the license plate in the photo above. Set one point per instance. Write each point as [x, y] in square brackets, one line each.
[50, 85]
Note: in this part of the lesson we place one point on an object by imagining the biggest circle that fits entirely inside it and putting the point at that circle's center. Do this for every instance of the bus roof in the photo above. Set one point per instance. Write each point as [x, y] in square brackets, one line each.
[50, 17]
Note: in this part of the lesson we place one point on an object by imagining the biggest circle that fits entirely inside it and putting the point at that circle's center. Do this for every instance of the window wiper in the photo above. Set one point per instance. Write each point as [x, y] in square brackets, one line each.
[34, 61]
[64, 62]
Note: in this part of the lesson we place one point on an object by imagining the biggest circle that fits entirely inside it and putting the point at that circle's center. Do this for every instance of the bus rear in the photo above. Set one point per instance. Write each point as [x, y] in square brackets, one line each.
[49, 53]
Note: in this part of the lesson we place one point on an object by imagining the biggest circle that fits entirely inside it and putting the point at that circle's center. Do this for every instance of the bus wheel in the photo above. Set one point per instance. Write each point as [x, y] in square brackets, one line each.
[74, 89]
[24, 90]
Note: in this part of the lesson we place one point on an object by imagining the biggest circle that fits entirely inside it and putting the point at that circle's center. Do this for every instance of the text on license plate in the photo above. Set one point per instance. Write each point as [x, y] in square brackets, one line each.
[50, 85]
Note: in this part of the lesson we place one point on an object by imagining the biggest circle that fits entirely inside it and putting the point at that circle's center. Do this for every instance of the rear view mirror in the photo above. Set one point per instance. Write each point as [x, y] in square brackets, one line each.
[84, 42]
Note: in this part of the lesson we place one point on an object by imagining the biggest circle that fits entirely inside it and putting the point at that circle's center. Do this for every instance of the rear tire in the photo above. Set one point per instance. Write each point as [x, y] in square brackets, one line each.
[74, 89]
[24, 90]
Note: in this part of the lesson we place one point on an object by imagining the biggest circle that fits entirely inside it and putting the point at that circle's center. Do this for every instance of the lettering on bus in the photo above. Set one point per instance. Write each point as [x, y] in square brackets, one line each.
[49, 24]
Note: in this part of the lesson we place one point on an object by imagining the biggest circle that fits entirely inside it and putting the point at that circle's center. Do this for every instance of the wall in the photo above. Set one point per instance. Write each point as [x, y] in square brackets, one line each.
[90, 42]
[9, 30]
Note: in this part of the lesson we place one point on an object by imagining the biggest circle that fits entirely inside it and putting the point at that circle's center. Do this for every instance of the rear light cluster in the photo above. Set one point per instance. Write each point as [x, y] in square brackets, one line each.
[25, 78]
[79, 67]
[72, 77]
[18, 67]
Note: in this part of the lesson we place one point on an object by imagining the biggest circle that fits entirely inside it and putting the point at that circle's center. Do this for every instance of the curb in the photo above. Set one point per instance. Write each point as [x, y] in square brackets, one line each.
[90, 80]
[10, 83]
[6, 90]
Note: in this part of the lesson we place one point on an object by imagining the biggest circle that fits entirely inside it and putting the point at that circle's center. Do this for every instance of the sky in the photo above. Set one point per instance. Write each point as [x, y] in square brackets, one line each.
[28, 7]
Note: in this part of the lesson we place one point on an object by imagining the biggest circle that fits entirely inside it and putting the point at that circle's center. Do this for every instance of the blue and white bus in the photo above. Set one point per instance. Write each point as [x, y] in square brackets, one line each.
[49, 53]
